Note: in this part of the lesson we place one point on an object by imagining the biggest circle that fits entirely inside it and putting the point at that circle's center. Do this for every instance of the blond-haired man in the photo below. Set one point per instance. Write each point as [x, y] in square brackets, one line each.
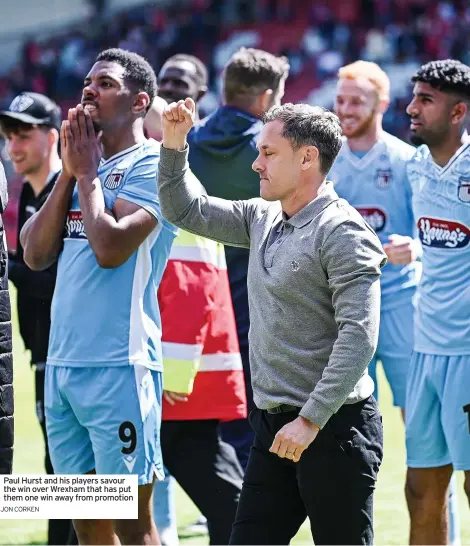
[370, 172]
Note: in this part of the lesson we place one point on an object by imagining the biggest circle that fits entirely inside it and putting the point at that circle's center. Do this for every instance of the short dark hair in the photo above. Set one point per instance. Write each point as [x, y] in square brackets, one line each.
[448, 76]
[306, 125]
[10, 126]
[250, 72]
[138, 71]
[201, 70]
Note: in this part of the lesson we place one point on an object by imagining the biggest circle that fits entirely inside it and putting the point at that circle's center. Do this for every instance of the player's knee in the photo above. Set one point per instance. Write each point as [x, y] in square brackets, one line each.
[424, 502]
[412, 496]
[133, 531]
[86, 530]
[142, 530]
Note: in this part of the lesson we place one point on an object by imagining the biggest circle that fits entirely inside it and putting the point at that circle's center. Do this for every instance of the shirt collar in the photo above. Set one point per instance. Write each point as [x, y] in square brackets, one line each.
[121, 154]
[51, 176]
[308, 213]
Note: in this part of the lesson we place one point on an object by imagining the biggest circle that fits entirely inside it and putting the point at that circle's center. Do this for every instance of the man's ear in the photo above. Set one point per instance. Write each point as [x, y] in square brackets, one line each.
[202, 91]
[310, 156]
[383, 105]
[141, 103]
[459, 111]
[53, 137]
[266, 100]
[153, 119]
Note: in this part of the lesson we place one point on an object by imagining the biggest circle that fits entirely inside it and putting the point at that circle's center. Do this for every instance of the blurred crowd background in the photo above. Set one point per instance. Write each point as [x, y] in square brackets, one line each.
[317, 36]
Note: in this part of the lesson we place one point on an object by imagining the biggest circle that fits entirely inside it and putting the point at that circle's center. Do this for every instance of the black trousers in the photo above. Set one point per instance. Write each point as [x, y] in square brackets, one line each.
[60, 531]
[333, 483]
[207, 469]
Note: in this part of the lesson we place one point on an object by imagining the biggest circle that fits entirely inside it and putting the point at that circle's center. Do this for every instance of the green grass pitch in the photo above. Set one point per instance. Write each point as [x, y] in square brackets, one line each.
[391, 517]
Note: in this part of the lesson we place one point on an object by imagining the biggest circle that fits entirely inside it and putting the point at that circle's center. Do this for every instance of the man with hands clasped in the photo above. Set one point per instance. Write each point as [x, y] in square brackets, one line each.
[314, 295]
[102, 221]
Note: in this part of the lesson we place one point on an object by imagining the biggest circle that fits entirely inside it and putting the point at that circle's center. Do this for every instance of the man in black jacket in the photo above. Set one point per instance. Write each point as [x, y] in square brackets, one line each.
[6, 359]
[31, 127]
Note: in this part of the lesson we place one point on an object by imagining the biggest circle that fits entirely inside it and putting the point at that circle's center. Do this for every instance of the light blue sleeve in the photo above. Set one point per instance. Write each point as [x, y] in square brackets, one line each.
[410, 176]
[140, 186]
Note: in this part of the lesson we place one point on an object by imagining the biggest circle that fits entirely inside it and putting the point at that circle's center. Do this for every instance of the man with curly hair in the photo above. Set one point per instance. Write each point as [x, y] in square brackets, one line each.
[438, 393]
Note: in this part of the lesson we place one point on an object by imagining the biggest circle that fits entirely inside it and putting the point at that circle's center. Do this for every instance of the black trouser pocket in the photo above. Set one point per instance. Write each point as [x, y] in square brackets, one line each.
[358, 431]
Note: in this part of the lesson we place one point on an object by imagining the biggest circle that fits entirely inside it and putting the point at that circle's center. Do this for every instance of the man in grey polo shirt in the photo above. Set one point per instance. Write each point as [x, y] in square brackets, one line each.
[314, 297]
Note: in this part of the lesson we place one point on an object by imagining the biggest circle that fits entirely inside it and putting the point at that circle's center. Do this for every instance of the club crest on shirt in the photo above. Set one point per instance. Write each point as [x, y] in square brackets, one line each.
[114, 179]
[375, 217]
[74, 227]
[464, 189]
[443, 233]
[383, 178]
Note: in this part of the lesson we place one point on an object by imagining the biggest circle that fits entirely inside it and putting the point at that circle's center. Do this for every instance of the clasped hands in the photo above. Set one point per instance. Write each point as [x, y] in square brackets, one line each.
[80, 144]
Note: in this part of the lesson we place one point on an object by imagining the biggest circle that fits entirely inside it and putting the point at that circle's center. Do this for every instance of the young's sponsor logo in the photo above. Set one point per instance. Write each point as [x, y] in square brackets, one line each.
[74, 228]
[443, 233]
[374, 216]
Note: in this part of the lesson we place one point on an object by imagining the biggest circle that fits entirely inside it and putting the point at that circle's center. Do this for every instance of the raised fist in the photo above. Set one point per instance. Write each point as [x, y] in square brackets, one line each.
[178, 118]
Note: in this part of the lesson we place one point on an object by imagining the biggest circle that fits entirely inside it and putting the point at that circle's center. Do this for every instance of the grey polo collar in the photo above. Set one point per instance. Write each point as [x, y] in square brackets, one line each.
[308, 213]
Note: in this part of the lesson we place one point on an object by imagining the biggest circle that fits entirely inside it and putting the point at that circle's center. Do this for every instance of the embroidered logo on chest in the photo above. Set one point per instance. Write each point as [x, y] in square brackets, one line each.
[113, 180]
[294, 266]
[383, 178]
[443, 233]
[464, 189]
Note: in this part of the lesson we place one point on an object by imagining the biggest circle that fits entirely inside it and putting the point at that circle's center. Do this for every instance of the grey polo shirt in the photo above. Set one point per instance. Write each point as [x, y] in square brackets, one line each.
[313, 289]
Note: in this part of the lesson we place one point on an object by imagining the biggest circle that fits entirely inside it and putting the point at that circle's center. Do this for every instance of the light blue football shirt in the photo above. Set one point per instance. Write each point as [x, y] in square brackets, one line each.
[376, 184]
[441, 202]
[110, 317]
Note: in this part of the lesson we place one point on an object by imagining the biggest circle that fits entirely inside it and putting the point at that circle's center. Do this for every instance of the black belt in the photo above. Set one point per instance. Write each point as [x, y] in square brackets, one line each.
[283, 408]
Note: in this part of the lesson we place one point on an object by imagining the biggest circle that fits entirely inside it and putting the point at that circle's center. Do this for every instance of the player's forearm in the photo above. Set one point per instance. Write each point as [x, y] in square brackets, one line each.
[99, 225]
[42, 235]
[112, 243]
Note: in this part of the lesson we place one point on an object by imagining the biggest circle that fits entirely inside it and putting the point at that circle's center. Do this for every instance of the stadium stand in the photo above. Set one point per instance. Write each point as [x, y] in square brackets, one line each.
[317, 37]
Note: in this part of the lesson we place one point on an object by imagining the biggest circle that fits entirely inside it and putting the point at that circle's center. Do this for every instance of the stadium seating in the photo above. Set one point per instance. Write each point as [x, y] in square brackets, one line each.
[317, 37]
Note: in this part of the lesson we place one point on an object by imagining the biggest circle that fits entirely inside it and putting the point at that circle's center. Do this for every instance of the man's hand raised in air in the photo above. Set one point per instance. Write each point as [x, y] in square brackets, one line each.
[178, 118]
